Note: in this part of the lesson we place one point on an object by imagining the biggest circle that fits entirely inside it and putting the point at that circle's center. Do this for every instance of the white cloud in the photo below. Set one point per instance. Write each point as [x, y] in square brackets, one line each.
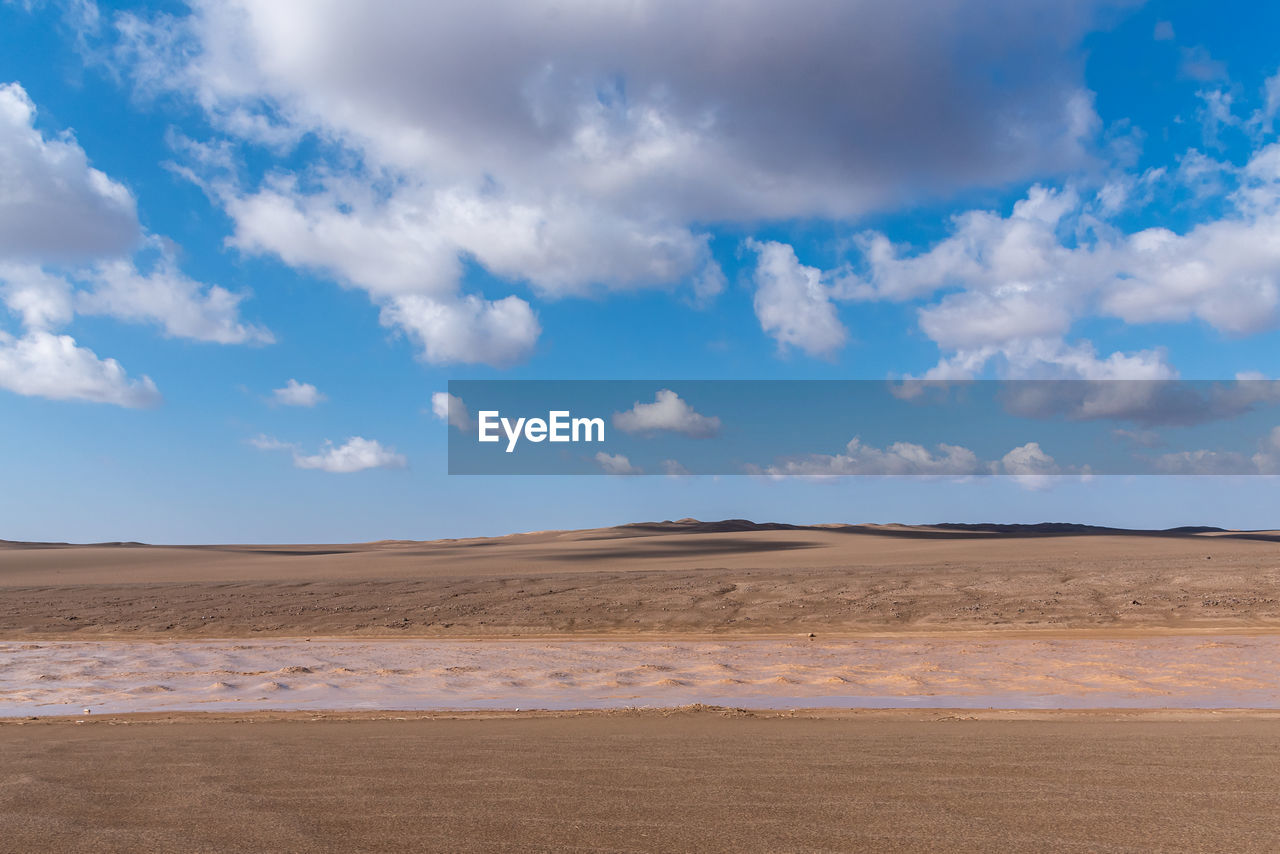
[793, 304]
[357, 454]
[1052, 359]
[451, 409]
[1265, 461]
[651, 107]
[384, 247]
[43, 364]
[1204, 176]
[53, 204]
[590, 148]
[1029, 465]
[68, 234]
[1204, 462]
[1014, 285]
[42, 300]
[263, 442]
[466, 330]
[674, 468]
[667, 412]
[1266, 115]
[899, 458]
[985, 251]
[404, 250]
[1002, 317]
[295, 393]
[616, 464]
[1028, 459]
[181, 306]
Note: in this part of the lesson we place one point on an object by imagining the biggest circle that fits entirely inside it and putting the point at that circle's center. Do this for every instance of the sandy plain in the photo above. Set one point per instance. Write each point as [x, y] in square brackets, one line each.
[663, 579]
[909, 612]
[706, 781]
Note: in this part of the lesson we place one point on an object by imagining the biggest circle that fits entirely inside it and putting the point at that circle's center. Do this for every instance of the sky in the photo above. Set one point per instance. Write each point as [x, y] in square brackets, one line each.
[243, 245]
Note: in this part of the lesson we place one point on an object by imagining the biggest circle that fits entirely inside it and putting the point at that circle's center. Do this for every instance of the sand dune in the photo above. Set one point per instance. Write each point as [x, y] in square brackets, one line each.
[676, 578]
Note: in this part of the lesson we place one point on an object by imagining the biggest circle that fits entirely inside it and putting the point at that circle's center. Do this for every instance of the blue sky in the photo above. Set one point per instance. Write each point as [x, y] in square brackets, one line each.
[201, 203]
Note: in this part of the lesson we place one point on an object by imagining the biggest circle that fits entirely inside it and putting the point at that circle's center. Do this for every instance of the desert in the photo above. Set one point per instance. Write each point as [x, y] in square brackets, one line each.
[696, 686]
[680, 780]
[730, 578]
[639, 426]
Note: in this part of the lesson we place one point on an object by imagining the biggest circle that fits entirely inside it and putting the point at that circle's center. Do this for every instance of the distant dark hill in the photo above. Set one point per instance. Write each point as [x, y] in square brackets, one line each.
[941, 530]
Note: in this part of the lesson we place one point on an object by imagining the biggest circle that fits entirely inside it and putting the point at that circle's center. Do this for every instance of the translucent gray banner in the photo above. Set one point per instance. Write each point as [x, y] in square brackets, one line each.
[819, 428]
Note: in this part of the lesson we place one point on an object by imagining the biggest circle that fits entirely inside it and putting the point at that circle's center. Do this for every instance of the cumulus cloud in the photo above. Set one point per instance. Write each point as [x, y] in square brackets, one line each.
[356, 454]
[41, 300]
[1013, 286]
[593, 148]
[295, 393]
[658, 106]
[667, 413]
[53, 204]
[1204, 462]
[68, 239]
[899, 458]
[616, 464]
[1266, 460]
[793, 304]
[43, 364]
[589, 148]
[1028, 464]
[451, 409]
[182, 307]
[466, 330]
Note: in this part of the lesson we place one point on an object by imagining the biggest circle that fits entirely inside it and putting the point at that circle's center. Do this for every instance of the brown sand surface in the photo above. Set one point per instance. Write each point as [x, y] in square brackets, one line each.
[685, 781]
[682, 578]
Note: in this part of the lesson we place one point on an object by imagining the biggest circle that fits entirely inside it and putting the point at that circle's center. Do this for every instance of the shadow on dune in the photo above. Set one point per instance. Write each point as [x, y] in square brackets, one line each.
[692, 548]
[941, 531]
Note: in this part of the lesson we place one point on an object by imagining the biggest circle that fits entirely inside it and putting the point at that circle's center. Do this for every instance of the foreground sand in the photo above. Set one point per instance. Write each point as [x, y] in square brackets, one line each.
[652, 580]
[678, 782]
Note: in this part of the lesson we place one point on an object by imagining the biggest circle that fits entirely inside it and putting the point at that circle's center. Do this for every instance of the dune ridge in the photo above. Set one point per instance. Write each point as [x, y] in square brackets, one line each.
[654, 579]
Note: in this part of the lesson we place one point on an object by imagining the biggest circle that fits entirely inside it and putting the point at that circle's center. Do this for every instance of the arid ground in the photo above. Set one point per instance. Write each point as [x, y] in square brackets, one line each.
[684, 782]
[680, 578]
[659, 614]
